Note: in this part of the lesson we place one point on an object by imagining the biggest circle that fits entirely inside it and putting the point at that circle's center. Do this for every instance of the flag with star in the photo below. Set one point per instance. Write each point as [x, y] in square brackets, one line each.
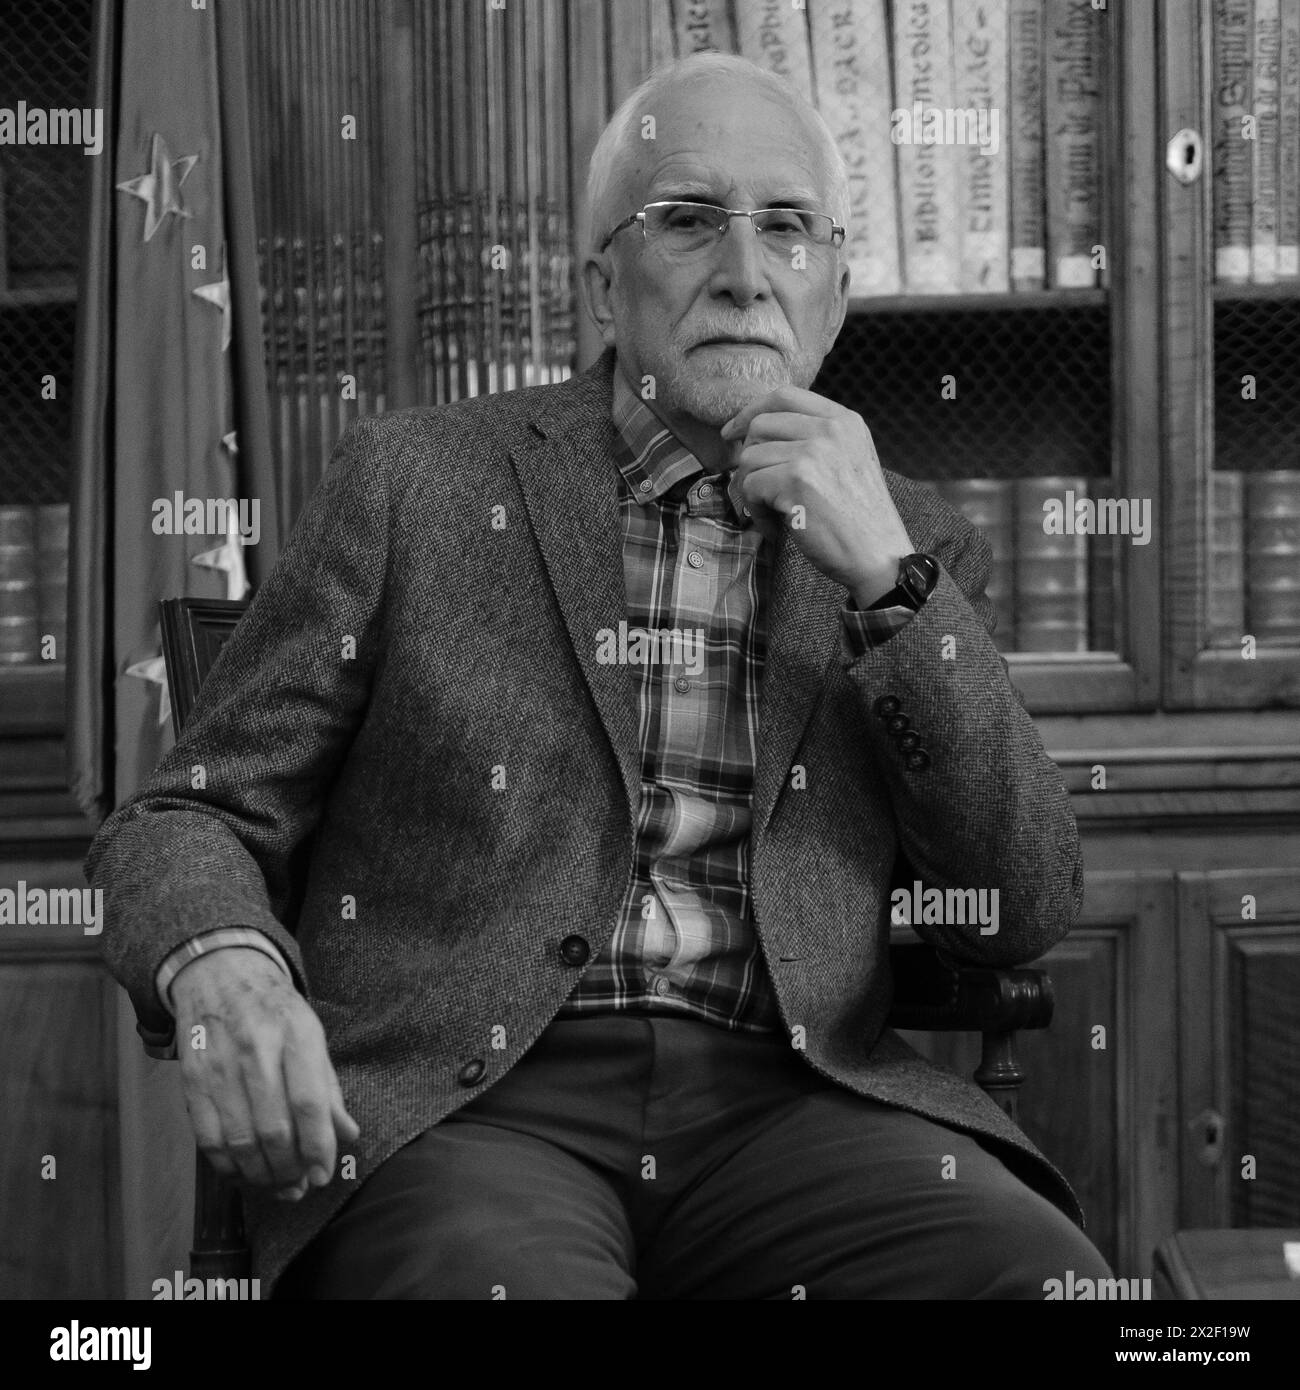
[170, 399]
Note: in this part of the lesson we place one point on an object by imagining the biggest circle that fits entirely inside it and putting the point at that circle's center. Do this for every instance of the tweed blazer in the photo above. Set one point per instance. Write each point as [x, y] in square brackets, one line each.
[420, 781]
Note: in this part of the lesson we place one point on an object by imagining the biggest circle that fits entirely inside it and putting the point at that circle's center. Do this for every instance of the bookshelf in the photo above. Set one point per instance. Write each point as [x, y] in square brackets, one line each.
[1182, 757]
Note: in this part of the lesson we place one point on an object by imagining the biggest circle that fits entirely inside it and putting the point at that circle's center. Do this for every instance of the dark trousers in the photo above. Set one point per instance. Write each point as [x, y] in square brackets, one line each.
[661, 1158]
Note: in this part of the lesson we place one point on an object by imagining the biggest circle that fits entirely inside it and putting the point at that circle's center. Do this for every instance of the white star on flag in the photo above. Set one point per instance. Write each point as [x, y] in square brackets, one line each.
[228, 556]
[154, 668]
[218, 293]
[159, 189]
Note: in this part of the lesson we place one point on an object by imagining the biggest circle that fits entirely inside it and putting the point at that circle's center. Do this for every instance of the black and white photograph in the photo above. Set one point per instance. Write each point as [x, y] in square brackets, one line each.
[650, 650]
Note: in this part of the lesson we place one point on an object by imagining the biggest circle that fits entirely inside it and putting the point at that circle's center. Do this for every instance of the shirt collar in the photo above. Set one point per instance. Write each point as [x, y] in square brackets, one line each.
[649, 453]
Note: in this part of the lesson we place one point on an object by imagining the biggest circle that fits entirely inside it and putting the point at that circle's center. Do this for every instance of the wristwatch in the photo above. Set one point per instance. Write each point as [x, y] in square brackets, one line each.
[917, 576]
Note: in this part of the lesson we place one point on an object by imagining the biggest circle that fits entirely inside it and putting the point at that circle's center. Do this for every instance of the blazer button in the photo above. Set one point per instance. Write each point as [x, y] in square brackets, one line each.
[898, 724]
[887, 705]
[574, 950]
[918, 760]
[909, 740]
[472, 1072]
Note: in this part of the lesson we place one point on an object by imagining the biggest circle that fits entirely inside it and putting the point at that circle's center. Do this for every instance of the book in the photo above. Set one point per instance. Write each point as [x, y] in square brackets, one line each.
[1288, 134]
[929, 212]
[19, 604]
[1051, 592]
[1231, 154]
[1072, 128]
[980, 80]
[700, 25]
[1225, 609]
[1027, 197]
[1273, 557]
[663, 48]
[1264, 204]
[1102, 556]
[52, 577]
[852, 85]
[989, 504]
[774, 34]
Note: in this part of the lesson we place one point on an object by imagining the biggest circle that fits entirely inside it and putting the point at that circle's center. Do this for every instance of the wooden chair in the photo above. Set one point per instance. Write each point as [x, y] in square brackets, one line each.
[931, 993]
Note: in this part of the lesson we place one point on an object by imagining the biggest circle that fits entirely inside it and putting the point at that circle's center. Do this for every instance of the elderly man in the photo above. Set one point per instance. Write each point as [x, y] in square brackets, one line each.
[554, 787]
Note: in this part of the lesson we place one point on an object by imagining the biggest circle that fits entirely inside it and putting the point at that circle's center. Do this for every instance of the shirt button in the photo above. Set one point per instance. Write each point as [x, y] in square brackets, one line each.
[706, 490]
[681, 685]
[472, 1072]
[645, 485]
[661, 986]
[695, 560]
[888, 705]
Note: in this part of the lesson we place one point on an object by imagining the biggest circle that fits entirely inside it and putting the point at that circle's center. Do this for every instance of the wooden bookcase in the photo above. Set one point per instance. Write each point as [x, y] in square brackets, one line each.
[1183, 760]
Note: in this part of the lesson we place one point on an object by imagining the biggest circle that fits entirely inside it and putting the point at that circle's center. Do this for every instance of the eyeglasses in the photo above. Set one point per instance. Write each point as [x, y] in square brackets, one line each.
[681, 228]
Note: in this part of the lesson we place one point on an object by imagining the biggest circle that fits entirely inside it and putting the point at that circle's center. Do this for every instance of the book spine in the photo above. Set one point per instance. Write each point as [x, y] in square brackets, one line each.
[1273, 557]
[1230, 151]
[1025, 82]
[1264, 208]
[774, 34]
[927, 165]
[980, 75]
[703, 25]
[52, 577]
[851, 79]
[989, 505]
[1226, 577]
[1072, 117]
[663, 48]
[1288, 131]
[1051, 570]
[19, 601]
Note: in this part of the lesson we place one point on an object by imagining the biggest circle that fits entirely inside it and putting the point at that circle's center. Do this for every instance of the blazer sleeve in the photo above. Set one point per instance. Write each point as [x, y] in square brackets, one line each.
[208, 841]
[989, 808]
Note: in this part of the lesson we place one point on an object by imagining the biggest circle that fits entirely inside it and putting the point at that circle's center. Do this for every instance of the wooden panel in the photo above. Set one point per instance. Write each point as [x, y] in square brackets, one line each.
[1239, 945]
[1106, 1114]
[58, 1098]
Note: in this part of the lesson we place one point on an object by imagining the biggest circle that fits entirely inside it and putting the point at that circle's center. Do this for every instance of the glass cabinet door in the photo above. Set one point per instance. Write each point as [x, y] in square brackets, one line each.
[1233, 256]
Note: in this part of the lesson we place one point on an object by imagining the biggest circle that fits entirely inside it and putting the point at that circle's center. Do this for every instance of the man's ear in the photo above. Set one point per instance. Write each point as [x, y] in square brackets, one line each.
[839, 310]
[596, 280]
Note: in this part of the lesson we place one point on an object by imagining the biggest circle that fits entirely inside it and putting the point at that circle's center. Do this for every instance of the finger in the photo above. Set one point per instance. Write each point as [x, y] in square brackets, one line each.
[307, 1087]
[206, 1124]
[345, 1127]
[778, 424]
[293, 1193]
[791, 398]
[273, 1125]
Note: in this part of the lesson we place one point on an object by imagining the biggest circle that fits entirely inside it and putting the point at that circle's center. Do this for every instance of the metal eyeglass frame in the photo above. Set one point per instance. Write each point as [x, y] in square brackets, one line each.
[836, 230]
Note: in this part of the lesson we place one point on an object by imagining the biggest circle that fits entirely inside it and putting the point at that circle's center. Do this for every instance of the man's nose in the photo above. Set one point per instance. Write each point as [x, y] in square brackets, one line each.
[741, 263]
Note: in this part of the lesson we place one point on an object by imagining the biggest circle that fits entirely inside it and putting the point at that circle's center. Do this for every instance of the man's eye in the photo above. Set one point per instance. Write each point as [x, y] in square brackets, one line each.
[685, 219]
[785, 223]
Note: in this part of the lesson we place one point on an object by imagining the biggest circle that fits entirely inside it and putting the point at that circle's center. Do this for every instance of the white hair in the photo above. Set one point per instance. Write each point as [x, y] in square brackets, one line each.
[612, 147]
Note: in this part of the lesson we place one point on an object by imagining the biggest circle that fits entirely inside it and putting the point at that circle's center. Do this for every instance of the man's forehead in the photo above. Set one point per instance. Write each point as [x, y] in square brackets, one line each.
[713, 144]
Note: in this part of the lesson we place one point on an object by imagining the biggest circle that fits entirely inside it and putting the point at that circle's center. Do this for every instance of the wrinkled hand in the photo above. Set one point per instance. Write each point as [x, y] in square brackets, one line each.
[262, 1093]
[794, 448]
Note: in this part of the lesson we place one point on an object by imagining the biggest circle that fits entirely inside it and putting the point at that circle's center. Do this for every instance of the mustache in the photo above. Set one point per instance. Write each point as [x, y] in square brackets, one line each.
[779, 338]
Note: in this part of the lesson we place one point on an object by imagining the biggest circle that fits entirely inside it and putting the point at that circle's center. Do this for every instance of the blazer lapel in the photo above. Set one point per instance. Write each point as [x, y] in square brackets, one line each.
[569, 484]
[803, 641]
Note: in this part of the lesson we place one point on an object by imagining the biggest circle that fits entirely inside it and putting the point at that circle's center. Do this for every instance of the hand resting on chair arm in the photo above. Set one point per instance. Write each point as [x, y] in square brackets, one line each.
[261, 1090]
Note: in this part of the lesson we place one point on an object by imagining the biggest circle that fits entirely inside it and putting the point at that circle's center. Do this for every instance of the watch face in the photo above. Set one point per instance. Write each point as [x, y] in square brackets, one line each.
[921, 572]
